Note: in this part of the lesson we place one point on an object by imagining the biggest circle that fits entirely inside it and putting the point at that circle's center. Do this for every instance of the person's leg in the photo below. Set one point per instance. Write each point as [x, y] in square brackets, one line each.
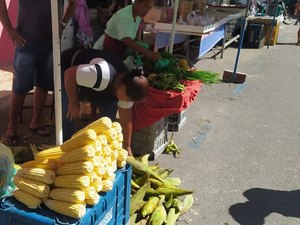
[44, 82]
[24, 68]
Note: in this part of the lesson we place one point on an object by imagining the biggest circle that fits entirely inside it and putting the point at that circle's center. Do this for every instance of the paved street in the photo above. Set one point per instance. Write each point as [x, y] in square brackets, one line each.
[241, 143]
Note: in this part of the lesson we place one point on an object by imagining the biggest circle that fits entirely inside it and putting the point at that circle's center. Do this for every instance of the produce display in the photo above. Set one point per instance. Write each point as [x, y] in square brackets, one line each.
[168, 73]
[67, 177]
[156, 196]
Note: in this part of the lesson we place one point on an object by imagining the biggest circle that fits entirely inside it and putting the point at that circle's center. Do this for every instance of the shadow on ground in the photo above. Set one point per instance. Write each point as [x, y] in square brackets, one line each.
[263, 202]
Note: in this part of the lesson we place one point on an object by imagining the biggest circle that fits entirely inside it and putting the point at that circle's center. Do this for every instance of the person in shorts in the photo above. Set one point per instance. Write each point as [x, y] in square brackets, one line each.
[33, 64]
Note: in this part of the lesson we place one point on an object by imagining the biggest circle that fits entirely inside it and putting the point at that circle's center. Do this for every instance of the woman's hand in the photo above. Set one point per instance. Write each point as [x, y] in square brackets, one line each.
[73, 111]
[16, 38]
[154, 56]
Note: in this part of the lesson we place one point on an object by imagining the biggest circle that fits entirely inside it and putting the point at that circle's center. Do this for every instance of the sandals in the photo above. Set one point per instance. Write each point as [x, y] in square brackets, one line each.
[41, 131]
[10, 140]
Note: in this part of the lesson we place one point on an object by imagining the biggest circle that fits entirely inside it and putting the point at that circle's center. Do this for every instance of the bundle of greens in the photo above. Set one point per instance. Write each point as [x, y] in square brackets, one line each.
[166, 81]
[207, 77]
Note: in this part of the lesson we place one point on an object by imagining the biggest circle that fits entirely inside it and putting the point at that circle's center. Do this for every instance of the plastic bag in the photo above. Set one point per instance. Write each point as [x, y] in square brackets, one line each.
[7, 171]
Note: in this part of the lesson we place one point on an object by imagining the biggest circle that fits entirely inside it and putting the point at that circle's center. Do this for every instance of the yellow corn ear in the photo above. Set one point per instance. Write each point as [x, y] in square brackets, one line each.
[109, 175]
[150, 206]
[68, 195]
[117, 126]
[75, 168]
[99, 125]
[45, 164]
[86, 137]
[102, 138]
[35, 188]
[97, 184]
[111, 134]
[27, 199]
[93, 200]
[122, 154]
[93, 175]
[98, 145]
[121, 164]
[37, 174]
[114, 145]
[107, 185]
[51, 153]
[73, 210]
[89, 192]
[72, 181]
[96, 160]
[120, 137]
[79, 154]
[101, 169]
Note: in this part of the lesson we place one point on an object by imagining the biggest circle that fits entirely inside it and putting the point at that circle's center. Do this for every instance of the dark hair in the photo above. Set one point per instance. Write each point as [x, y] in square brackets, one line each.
[136, 84]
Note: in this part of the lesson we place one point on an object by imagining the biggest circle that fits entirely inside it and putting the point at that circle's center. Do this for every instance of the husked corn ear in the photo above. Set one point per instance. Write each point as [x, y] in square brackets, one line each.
[122, 156]
[101, 169]
[120, 137]
[97, 184]
[93, 175]
[107, 185]
[79, 154]
[68, 195]
[106, 150]
[114, 153]
[75, 168]
[89, 192]
[50, 153]
[66, 208]
[117, 126]
[111, 134]
[96, 160]
[35, 188]
[98, 145]
[121, 164]
[45, 164]
[86, 137]
[102, 138]
[109, 174]
[27, 199]
[37, 174]
[72, 181]
[114, 145]
[98, 125]
[112, 165]
[93, 200]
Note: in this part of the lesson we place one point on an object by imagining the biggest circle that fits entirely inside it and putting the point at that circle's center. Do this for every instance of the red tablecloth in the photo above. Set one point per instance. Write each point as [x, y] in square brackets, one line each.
[159, 104]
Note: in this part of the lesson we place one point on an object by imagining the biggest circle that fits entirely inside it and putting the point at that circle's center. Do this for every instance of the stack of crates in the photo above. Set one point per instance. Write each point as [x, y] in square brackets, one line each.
[113, 208]
[150, 140]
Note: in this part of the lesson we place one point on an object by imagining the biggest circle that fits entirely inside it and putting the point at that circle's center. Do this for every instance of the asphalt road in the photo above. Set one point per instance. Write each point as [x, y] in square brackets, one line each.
[241, 142]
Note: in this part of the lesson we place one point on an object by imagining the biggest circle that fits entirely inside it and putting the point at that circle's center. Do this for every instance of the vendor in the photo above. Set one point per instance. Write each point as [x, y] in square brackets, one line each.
[122, 28]
[100, 78]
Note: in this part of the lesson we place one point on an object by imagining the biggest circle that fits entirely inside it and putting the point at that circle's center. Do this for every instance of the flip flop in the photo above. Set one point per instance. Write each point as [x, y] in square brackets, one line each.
[40, 130]
[10, 140]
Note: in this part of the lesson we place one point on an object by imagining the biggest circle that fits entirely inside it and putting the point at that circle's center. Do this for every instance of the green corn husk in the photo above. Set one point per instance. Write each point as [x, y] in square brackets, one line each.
[159, 215]
[172, 182]
[155, 183]
[172, 217]
[177, 204]
[187, 204]
[132, 219]
[168, 191]
[135, 185]
[169, 202]
[150, 206]
[141, 180]
[136, 201]
[141, 167]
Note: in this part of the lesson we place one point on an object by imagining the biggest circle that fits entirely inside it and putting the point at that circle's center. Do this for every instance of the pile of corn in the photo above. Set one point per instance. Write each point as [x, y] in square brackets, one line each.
[156, 197]
[67, 177]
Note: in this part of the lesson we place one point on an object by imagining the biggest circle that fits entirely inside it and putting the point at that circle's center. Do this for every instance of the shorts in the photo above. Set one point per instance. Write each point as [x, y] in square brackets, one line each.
[33, 66]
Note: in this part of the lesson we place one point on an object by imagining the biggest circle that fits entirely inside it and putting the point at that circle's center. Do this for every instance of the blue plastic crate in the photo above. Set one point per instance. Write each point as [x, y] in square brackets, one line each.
[112, 209]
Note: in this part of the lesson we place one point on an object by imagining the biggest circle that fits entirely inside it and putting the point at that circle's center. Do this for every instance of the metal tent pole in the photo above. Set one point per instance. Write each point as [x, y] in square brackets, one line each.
[244, 25]
[273, 23]
[56, 70]
[172, 37]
